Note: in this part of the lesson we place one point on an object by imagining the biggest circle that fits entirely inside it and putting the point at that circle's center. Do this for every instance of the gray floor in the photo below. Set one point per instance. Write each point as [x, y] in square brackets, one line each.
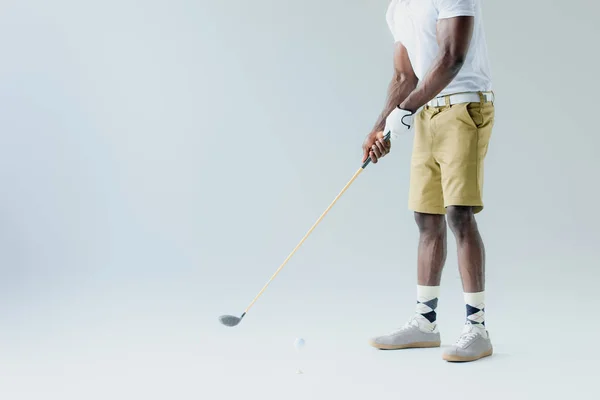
[154, 346]
[265, 368]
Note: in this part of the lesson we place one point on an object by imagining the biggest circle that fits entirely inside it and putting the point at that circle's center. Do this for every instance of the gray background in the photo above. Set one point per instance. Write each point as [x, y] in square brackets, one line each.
[159, 160]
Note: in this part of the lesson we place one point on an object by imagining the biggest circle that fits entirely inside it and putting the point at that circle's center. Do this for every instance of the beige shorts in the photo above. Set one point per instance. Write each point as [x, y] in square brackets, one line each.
[450, 145]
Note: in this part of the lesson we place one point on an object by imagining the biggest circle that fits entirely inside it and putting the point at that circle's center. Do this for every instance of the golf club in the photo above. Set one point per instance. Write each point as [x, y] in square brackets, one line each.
[230, 320]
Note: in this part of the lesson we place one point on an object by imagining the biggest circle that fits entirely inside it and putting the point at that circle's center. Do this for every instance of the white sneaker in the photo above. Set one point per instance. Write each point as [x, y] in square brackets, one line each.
[418, 332]
[474, 343]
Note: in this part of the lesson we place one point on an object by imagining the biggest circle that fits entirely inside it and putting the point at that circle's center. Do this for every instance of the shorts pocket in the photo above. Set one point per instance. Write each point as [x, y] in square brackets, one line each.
[473, 112]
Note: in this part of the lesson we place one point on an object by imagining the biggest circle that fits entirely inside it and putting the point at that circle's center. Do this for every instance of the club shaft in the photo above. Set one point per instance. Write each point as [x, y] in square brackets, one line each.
[306, 236]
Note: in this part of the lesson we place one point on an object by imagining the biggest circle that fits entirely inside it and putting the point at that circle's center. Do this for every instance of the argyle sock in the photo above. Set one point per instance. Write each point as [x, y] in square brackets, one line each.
[475, 308]
[427, 301]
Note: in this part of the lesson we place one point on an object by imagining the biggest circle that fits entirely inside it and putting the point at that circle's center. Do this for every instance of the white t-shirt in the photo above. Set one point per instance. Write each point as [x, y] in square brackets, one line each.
[414, 24]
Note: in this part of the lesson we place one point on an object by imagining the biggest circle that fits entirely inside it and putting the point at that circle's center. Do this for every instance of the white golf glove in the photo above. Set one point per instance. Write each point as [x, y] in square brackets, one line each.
[398, 122]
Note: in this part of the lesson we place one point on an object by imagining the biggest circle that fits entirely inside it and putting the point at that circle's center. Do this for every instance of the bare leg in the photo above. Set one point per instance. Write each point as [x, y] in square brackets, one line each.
[432, 248]
[421, 331]
[471, 252]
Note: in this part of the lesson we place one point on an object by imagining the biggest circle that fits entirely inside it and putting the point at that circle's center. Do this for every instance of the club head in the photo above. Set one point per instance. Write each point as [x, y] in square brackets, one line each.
[229, 320]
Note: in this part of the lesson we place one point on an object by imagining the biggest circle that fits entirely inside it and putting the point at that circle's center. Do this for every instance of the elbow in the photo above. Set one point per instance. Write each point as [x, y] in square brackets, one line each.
[405, 79]
[454, 61]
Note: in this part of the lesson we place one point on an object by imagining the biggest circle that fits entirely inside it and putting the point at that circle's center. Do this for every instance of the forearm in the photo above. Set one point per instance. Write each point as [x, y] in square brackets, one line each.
[439, 76]
[398, 91]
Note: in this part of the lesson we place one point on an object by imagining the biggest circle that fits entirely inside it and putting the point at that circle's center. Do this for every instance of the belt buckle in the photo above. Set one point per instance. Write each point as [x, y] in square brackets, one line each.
[489, 97]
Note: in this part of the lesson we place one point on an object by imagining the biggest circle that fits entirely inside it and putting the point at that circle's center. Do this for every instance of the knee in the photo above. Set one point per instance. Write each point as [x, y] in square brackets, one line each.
[430, 224]
[461, 220]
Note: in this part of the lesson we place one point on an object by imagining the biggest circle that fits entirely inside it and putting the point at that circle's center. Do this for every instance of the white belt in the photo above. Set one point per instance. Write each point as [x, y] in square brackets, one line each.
[471, 97]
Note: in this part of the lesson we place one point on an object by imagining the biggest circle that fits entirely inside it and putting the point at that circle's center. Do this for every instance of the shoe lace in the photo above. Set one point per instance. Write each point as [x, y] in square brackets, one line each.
[468, 334]
[408, 325]
[465, 339]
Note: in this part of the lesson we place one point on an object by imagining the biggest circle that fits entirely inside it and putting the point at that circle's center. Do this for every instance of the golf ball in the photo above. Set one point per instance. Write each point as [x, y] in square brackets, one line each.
[299, 343]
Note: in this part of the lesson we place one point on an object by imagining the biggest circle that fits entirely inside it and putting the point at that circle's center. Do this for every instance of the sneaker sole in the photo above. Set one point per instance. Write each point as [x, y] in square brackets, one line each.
[455, 358]
[416, 345]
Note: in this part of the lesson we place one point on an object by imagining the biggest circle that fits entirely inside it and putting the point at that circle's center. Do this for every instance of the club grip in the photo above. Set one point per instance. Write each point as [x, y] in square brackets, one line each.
[386, 137]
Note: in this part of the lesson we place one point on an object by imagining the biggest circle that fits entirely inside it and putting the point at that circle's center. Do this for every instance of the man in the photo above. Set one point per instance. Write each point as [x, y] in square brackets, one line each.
[441, 69]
